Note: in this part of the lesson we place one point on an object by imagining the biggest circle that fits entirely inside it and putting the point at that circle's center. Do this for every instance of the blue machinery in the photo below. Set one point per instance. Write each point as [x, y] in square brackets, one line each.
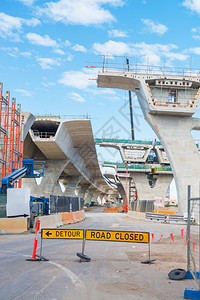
[27, 171]
[38, 206]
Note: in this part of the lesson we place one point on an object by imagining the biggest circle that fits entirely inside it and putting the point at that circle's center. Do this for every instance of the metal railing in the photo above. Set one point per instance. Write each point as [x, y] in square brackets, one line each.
[110, 64]
[102, 140]
[123, 166]
[43, 135]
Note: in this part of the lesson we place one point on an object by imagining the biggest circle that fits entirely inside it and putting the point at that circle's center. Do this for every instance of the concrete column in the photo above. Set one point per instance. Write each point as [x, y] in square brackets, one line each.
[95, 196]
[71, 185]
[82, 190]
[57, 190]
[126, 186]
[174, 133]
[101, 199]
[145, 192]
[53, 170]
[89, 194]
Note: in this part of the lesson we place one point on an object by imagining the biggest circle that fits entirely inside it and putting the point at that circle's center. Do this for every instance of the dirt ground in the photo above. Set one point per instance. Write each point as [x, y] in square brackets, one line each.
[128, 279]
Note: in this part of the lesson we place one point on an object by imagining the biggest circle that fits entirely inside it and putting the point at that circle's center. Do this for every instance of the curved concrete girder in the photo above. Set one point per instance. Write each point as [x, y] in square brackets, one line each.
[77, 145]
[31, 150]
[27, 123]
[125, 81]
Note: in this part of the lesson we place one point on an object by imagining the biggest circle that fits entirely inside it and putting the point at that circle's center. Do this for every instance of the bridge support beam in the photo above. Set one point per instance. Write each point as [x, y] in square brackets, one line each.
[125, 182]
[146, 192]
[71, 185]
[89, 194]
[175, 135]
[82, 190]
[53, 170]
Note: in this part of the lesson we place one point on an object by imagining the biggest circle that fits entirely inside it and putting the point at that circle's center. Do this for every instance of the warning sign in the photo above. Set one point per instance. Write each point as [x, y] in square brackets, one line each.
[117, 236]
[62, 233]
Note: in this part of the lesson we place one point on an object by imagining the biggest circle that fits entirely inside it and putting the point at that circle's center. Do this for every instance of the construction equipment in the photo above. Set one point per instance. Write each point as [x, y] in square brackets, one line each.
[39, 206]
[27, 171]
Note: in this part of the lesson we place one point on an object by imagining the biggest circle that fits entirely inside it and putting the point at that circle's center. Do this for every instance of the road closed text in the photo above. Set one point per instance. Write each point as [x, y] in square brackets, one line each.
[120, 236]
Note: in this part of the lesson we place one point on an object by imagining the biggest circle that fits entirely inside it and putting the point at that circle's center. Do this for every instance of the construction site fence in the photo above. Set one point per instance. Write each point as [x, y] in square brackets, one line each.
[65, 204]
[142, 206]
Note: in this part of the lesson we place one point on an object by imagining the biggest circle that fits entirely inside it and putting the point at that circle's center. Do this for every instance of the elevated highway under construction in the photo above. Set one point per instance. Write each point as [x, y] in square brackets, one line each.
[168, 98]
[145, 173]
[68, 149]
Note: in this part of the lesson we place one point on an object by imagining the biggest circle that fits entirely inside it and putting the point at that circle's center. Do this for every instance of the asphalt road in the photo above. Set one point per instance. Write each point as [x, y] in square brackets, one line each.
[114, 272]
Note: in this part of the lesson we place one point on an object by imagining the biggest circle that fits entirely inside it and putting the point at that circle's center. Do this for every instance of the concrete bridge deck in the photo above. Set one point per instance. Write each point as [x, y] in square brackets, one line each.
[68, 148]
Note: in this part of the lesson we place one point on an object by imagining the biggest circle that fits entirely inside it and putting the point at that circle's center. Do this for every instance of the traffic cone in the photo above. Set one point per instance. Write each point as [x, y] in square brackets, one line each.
[39, 258]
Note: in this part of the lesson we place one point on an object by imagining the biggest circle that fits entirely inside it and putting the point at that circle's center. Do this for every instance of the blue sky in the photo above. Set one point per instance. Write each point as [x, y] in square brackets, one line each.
[46, 46]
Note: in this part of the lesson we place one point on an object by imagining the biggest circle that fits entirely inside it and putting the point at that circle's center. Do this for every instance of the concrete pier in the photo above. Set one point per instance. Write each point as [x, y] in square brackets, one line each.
[168, 102]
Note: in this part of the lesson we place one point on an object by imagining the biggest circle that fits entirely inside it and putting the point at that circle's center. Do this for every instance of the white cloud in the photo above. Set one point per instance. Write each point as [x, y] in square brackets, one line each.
[23, 92]
[8, 24]
[27, 2]
[196, 33]
[76, 97]
[12, 51]
[48, 84]
[32, 22]
[195, 50]
[112, 48]
[196, 37]
[47, 63]
[84, 12]
[78, 79]
[151, 27]
[26, 54]
[114, 33]
[11, 26]
[151, 53]
[40, 40]
[193, 5]
[79, 48]
[59, 51]
[67, 43]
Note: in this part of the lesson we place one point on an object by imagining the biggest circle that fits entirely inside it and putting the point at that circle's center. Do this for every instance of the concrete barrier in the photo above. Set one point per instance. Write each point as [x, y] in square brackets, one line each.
[83, 214]
[136, 215]
[13, 225]
[58, 218]
[67, 218]
[77, 216]
[45, 222]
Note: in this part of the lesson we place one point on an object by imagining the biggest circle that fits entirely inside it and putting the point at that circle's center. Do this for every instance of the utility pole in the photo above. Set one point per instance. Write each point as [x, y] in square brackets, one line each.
[130, 105]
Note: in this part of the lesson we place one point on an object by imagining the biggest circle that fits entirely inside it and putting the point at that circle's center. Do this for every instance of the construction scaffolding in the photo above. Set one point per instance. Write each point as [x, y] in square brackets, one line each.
[11, 144]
